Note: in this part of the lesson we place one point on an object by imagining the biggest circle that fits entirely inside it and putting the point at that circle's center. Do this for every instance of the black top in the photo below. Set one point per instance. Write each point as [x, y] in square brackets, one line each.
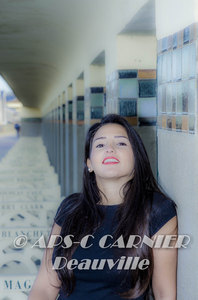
[105, 283]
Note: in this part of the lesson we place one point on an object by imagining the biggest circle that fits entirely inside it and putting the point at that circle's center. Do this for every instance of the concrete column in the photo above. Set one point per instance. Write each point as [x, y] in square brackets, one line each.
[177, 125]
[3, 117]
[54, 133]
[57, 136]
[62, 143]
[74, 134]
[51, 133]
[87, 112]
[131, 85]
[67, 159]
[111, 77]
[127, 53]
[80, 128]
[95, 83]
[69, 141]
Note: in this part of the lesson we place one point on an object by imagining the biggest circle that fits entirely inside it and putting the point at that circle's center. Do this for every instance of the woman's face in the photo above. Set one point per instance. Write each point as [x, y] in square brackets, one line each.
[111, 154]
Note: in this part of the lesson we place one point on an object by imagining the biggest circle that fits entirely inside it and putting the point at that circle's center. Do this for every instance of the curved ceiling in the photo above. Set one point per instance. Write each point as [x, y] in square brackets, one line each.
[36, 37]
[33, 45]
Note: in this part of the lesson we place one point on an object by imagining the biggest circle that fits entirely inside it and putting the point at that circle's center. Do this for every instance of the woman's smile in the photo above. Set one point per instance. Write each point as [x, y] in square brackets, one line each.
[110, 160]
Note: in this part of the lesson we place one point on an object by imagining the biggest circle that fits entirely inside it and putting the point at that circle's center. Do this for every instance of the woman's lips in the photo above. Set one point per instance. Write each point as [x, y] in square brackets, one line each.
[110, 160]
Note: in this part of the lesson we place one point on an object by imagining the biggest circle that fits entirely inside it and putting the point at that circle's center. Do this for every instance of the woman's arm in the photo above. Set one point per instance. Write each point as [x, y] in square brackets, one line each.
[46, 285]
[164, 279]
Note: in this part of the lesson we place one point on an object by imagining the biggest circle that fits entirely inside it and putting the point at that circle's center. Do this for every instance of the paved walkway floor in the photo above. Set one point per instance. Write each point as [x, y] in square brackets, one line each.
[29, 198]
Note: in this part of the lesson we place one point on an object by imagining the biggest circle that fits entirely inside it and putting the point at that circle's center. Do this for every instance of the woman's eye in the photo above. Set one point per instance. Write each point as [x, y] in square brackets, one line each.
[99, 145]
[122, 144]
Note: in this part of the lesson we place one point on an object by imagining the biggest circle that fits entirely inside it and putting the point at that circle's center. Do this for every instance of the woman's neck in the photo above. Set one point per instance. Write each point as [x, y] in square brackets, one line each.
[112, 190]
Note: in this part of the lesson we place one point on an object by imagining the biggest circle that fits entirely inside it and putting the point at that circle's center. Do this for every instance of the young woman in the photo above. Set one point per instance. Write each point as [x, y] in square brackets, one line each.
[120, 204]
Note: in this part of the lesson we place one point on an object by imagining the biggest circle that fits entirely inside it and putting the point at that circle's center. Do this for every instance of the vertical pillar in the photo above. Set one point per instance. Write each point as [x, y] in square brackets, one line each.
[111, 78]
[51, 133]
[58, 137]
[69, 141]
[177, 123]
[131, 85]
[54, 133]
[3, 117]
[67, 167]
[62, 143]
[80, 128]
[1, 108]
[4, 108]
[95, 90]
[132, 77]
[74, 135]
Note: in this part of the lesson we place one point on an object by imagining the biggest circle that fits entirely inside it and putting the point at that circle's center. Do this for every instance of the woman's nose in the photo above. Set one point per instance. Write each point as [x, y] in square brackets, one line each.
[109, 148]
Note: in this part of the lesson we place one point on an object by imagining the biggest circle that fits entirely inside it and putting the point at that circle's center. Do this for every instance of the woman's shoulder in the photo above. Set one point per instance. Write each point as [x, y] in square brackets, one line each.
[67, 204]
[162, 200]
[163, 209]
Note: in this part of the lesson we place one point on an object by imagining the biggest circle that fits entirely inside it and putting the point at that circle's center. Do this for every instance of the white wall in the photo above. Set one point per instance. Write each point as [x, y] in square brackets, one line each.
[174, 15]
[80, 89]
[131, 52]
[97, 76]
[178, 174]
[177, 157]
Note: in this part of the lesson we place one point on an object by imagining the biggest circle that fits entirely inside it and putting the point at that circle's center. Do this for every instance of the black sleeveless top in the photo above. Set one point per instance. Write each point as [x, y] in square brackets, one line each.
[105, 283]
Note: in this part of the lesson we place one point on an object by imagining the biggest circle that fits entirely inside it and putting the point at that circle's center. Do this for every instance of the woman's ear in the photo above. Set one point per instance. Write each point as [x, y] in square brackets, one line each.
[89, 165]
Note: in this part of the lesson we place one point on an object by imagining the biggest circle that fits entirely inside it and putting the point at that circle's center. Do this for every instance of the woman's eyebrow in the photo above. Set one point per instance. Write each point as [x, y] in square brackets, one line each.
[116, 136]
[121, 136]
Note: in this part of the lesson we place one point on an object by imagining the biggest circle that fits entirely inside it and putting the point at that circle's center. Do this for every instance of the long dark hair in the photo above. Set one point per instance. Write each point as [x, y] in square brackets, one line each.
[82, 215]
